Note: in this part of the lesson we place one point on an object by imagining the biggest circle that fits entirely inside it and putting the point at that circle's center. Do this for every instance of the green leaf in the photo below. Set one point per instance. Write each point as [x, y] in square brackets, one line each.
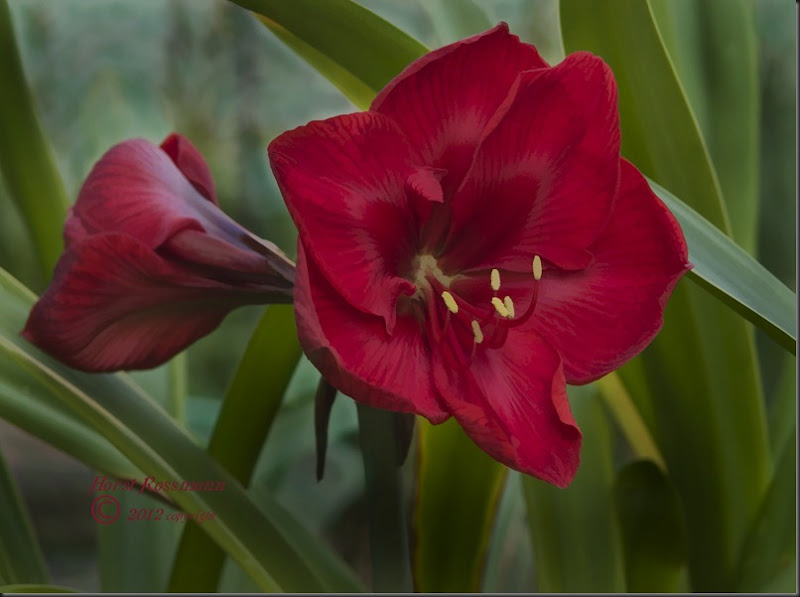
[25, 159]
[135, 556]
[713, 47]
[772, 545]
[783, 409]
[241, 430]
[653, 529]
[21, 558]
[247, 414]
[575, 535]
[508, 561]
[146, 434]
[456, 19]
[785, 582]
[458, 490]
[264, 372]
[702, 393]
[355, 49]
[33, 588]
[728, 272]
[627, 416]
[777, 236]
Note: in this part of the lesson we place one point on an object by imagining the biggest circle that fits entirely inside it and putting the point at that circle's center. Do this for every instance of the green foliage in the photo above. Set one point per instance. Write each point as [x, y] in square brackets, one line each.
[242, 426]
[25, 160]
[653, 529]
[771, 548]
[389, 547]
[729, 273]
[576, 538]
[334, 41]
[703, 390]
[449, 555]
[21, 558]
[689, 74]
[712, 45]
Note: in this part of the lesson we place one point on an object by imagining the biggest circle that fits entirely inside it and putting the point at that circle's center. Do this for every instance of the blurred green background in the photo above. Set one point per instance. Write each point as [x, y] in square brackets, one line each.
[104, 72]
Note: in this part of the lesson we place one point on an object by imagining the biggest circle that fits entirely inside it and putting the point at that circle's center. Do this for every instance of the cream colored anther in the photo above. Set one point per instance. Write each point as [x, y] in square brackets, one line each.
[477, 332]
[500, 307]
[495, 280]
[450, 302]
[509, 305]
[537, 268]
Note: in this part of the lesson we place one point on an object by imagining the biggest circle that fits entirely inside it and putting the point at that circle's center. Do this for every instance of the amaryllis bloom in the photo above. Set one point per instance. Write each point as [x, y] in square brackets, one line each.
[151, 263]
[474, 241]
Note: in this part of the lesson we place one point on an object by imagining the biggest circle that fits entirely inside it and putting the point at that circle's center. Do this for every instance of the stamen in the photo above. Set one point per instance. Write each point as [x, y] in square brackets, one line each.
[500, 307]
[450, 302]
[509, 305]
[477, 332]
[495, 280]
[537, 268]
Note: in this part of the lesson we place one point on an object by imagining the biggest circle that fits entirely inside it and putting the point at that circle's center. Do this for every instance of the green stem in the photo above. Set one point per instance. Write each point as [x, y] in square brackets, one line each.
[388, 531]
[178, 387]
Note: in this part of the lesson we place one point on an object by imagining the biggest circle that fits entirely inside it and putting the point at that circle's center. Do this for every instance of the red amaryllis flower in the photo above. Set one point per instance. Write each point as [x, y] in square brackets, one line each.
[151, 262]
[474, 241]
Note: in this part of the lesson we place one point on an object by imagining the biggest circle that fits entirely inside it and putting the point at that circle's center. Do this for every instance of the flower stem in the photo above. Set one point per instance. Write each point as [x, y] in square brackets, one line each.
[388, 532]
[178, 387]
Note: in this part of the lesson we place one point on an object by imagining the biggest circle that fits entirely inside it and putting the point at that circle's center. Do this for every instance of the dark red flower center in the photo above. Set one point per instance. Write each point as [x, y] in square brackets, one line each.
[469, 311]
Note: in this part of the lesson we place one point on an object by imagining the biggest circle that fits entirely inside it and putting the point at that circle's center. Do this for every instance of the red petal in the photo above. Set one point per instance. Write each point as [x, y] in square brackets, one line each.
[513, 403]
[425, 185]
[444, 100]
[343, 182]
[218, 257]
[135, 188]
[115, 304]
[192, 164]
[546, 176]
[354, 352]
[599, 318]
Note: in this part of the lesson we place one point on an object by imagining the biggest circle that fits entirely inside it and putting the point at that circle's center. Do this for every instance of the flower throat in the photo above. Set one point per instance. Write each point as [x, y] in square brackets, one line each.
[461, 326]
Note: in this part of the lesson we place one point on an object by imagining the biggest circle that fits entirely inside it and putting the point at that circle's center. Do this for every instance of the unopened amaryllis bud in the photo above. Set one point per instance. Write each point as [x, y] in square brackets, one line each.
[151, 262]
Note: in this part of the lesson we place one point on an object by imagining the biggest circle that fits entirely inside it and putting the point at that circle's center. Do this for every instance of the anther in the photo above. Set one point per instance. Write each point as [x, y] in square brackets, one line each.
[500, 307]
[495, 280]
[450, 302]
[537, 268]
[509, 305]
[477, 332]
